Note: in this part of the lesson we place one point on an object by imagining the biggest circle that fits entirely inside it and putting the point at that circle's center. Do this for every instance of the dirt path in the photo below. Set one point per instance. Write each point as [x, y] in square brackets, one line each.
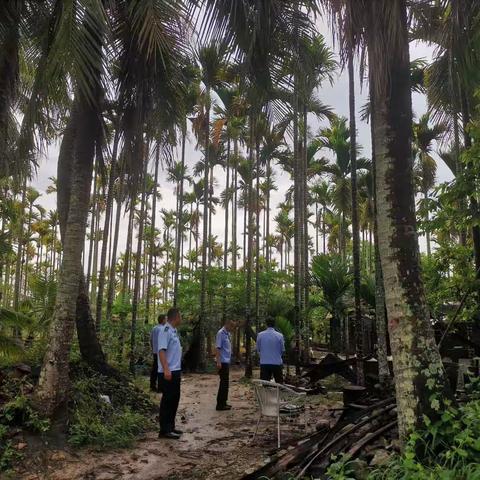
[215, 445]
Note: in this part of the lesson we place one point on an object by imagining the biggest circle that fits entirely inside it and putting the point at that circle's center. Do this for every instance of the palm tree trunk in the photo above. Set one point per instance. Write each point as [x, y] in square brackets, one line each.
[359, 331]
[106, 231]
[267, 216]
[380, 309]
[92, 227]
[305, 243]
[152, 235]
[125, 273]
[113, 260]
[53, 383]
[257, 237]
[417, 363]
[138, 261]
[20, 243]
[427, 219]
[225, 239]
[249, 259]
[235, 208]
[324, 233]
[178, 252]
[205, 241]
[25, 250]
[298, 197]
[96, 239]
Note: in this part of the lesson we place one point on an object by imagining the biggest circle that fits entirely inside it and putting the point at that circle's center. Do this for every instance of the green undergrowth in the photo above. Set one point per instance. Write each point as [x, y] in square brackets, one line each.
[106, 412]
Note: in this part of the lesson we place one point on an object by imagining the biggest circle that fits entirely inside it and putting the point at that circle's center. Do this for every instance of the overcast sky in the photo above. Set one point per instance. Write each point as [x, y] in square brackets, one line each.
[335, 95]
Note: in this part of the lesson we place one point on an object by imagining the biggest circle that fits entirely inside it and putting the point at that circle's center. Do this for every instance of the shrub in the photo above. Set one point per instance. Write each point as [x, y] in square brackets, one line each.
[108, 423]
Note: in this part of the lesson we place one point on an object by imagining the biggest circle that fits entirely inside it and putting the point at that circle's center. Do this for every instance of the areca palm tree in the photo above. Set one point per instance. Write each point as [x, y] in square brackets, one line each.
[211, 59]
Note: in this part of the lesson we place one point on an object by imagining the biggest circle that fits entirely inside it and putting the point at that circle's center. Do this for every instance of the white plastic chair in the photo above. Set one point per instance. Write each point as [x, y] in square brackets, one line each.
[276, 401]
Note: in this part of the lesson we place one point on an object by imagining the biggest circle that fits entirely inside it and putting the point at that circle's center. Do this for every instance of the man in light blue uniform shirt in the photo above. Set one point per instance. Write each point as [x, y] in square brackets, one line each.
[154, 346]
[169, 373]
[271, 347]
[223, 356]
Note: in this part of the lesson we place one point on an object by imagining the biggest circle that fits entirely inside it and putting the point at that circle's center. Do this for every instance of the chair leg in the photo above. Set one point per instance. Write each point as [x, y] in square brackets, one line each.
[256, 428]
[278, 431]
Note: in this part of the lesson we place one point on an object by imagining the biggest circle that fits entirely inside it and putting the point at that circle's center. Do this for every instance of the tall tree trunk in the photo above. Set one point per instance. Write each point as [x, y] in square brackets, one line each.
[380, 309]
[20, 243]
[417, 364]
[297, 253]
[267, 216]
[359, 331]
[88, 341]
[92, 227]
[125, 274]
[26, 259]
[53, 382]
[225, 239]
[96, 239]
[305, 243]
[257, 237]
[427, 219]
[250, 233]
[113, 259]
[138, 260]
[205, 241]
[106, 231]
[152, 235]
[179, 235]
[235, 207]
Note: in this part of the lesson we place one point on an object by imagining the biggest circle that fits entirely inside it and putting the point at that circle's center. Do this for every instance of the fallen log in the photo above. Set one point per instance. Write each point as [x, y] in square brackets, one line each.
[326, 451]
[355, 449]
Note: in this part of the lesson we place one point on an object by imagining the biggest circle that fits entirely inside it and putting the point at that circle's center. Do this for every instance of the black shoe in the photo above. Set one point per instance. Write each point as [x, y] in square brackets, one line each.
[170, 435]
[223, 407]
[178, 432]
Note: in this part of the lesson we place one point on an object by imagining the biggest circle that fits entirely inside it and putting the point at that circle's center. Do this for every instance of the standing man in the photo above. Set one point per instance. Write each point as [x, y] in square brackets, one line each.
[154, 347]
[223, 356]
[169, 369]
[271, 347]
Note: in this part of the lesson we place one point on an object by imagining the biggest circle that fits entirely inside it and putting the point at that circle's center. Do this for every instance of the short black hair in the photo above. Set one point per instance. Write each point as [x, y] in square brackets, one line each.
[270, 321]
[161, 318]
[172, 313]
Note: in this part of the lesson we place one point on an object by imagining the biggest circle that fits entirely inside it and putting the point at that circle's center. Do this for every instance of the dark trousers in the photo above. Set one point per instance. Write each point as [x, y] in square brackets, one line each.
[267, 371]
[222, 395]
[170, 400]
[154, 374]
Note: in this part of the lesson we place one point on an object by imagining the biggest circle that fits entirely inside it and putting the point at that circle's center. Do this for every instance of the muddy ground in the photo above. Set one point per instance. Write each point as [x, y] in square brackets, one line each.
[215, 445]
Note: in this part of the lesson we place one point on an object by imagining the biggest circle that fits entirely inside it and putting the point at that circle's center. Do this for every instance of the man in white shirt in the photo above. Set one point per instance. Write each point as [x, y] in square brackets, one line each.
[154, 346]
[271, 347]
[170, 373]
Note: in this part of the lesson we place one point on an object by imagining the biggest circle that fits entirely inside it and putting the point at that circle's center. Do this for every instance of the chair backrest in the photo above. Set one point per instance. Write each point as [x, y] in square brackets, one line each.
[268, 397]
